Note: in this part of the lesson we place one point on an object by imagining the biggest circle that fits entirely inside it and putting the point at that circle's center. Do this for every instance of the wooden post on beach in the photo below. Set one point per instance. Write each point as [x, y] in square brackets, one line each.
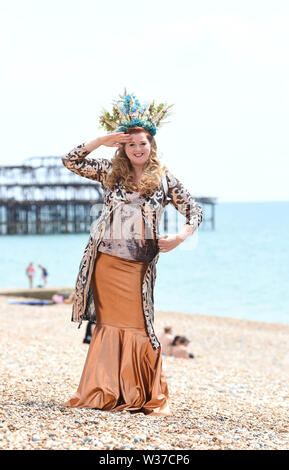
[165, 221]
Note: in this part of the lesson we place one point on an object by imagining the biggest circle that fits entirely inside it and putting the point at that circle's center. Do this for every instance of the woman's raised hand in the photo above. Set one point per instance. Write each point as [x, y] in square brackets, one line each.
[115, 140]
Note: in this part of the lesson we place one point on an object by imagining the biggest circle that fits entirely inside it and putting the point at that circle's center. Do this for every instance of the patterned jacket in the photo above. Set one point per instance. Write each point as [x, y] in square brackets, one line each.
[169, 190]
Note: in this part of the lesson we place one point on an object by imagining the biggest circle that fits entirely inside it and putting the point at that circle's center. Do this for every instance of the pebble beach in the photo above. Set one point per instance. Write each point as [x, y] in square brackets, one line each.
[233, 395]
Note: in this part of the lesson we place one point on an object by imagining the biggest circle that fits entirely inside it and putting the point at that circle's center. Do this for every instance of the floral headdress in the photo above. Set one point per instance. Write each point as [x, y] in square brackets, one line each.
[128, 112]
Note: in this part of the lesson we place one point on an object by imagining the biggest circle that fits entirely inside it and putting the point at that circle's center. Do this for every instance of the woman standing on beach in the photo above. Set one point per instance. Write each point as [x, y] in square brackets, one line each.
[30, 272]
[115, 283]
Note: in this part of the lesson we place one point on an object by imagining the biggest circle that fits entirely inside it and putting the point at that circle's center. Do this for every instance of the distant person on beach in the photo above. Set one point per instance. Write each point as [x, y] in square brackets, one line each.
[172, 344]
[30, 272]
[181, 348]
[44, 274]
[88, 333]
[60, 298]
[166, 339]
[70, 299]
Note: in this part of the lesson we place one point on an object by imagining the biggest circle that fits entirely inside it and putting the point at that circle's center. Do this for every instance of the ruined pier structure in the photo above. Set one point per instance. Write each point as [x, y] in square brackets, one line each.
[42, 197]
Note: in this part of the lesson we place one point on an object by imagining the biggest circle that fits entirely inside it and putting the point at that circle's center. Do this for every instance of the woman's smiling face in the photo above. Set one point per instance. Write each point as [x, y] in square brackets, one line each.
[138, 149]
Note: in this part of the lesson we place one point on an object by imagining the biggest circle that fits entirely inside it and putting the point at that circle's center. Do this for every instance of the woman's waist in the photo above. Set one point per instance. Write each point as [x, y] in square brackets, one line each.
[118, 257]
[139, 251]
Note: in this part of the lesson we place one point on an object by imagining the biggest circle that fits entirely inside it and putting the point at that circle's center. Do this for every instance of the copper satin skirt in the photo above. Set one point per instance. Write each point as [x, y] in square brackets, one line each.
[122, 370]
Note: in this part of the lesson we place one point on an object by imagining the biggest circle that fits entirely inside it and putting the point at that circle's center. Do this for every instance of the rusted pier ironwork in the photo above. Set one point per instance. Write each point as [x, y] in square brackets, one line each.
[42, 197]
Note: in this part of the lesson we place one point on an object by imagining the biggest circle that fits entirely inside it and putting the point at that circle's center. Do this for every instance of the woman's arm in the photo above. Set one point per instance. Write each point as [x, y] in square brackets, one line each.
[93, 168]
[187, 206]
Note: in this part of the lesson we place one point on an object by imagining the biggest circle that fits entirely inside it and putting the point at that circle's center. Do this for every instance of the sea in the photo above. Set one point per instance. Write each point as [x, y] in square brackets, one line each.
[238, 269]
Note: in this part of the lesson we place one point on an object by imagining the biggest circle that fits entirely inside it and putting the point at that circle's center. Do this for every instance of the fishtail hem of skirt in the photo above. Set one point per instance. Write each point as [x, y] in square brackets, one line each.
[122, 372]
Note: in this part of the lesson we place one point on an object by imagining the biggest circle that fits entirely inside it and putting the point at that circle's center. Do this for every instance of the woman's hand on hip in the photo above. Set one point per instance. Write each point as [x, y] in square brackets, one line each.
[168, 242]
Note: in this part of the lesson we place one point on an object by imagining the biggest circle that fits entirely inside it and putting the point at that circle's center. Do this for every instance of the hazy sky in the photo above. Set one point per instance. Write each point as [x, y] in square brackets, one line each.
[225, 65]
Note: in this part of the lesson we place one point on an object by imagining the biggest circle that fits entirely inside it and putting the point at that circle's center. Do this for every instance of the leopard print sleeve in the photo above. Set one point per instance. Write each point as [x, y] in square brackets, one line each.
[92, 168]
[184, 202]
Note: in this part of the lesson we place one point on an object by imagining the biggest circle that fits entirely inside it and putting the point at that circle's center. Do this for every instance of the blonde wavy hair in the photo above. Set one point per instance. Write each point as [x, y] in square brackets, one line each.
[122, 168]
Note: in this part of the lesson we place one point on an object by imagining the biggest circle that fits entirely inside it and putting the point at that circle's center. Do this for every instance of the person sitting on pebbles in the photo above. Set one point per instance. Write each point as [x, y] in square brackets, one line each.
[180, 348]
[171, 345]
[166, 340]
